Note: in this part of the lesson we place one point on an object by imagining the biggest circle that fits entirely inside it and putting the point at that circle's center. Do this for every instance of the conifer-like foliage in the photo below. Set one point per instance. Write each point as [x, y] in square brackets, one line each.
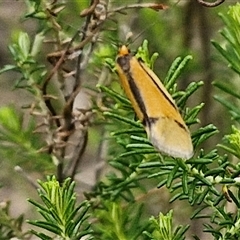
[52, 138]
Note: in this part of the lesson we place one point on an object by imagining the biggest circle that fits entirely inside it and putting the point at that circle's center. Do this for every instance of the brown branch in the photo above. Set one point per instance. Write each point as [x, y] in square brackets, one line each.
[77, 47]
[89, 10]
[62, 55]
[91, 28]
[154, 6]
[80, 153]
[67, 112]
[210, 4]
[49, 77]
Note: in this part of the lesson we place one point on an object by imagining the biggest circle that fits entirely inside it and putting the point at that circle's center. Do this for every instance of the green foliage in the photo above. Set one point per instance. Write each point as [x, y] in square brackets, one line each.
[13, 134]
[230, 105]
[24, 54]
[62, 216]
[119, 222]
[11, 227]
[163, 228]
[231, 51]
[232, 142]
[143, 53]
[138, 158]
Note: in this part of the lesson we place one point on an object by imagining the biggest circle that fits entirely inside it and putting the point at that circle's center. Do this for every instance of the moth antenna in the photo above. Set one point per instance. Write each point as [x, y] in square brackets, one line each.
[143, 31]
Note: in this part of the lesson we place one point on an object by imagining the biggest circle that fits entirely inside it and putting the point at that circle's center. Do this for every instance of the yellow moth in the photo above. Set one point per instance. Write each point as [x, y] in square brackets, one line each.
[154, 106]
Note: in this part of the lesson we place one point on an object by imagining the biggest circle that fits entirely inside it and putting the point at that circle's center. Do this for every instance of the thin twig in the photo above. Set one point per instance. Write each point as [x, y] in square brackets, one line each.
[77, 47]
[210, 4]
[89, 10]
[91, 28]
[49, 77]
[154, 6]
[80, 153]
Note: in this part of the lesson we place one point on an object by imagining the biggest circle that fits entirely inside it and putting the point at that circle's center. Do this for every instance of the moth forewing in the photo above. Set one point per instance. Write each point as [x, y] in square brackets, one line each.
[158, 83]
[154, 106]
[173, 140]
[126, 86]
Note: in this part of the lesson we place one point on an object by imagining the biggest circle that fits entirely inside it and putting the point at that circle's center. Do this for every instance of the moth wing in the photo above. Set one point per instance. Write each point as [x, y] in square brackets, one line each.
[167, 132]
[155, 107]
[168, 137]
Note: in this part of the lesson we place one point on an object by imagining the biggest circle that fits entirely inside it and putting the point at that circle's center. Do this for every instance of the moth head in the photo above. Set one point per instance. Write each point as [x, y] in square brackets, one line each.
[123, 51]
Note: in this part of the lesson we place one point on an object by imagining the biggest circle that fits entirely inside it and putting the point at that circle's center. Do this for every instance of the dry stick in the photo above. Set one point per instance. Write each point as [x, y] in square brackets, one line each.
[67, 112]
[84, 137]
[154, 6]
[82, 150]
[48, 101]
[89, 10]
[74, 49]
[67, 124]
[50, 75]
[77, 85]
[62, 55]
[208, 4]
[89, 21]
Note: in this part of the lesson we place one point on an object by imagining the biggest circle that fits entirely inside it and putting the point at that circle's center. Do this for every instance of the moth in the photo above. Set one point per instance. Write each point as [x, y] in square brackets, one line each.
[154, 106]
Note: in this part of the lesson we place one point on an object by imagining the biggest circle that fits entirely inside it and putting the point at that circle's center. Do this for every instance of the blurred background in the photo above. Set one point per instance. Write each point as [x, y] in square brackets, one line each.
[184, 28]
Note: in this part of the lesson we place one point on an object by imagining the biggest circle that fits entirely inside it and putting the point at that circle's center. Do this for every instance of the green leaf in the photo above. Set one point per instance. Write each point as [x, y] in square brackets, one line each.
[7, 68]
[163, 228]
[58, 209]
[227, 89]
[143, 53]
[172, 175]
[202, 134]
[232, 142]
[122, 119]
[24, 44]
[175, 70]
